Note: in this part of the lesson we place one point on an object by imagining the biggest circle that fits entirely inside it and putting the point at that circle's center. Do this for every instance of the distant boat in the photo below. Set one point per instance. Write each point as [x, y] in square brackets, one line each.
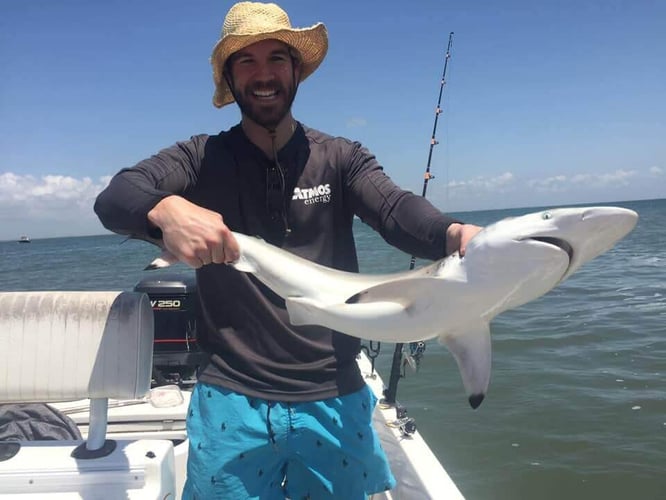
[24, 239]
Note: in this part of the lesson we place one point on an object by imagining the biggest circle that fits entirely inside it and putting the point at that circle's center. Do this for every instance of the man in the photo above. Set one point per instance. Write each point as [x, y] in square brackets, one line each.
[280, 411]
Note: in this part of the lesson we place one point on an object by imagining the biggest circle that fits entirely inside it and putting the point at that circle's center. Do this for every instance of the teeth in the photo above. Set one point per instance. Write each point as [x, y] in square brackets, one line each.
[264, 93]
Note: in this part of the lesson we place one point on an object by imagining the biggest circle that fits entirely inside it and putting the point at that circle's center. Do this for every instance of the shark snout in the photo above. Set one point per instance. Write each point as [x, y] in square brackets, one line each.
[600, 229]
[609, 222]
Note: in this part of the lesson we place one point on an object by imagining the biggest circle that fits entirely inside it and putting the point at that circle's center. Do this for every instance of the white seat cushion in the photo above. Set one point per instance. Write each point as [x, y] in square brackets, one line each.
[59, 346]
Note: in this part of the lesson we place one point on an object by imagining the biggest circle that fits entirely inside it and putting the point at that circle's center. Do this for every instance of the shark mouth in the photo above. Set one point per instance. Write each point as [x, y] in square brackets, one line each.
[559, 243]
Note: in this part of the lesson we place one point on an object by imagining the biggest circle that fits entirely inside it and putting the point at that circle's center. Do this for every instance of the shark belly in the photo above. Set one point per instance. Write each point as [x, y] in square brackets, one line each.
[380, 321]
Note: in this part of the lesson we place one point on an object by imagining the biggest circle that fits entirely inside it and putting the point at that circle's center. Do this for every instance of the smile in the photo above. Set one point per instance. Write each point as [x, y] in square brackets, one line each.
[264, 94]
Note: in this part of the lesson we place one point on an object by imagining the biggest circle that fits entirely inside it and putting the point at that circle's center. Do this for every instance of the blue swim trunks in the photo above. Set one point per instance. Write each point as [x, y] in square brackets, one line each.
[243, 447]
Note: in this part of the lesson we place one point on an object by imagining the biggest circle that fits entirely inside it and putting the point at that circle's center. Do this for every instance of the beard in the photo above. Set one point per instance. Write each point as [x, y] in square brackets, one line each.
[268, 115]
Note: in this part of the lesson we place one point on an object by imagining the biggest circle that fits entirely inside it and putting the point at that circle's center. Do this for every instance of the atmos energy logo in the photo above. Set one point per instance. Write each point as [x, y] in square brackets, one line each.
[310, 196]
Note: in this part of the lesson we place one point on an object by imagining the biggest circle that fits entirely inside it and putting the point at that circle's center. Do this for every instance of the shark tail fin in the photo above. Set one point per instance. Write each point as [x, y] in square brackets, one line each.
[471, 349]
[165, 259]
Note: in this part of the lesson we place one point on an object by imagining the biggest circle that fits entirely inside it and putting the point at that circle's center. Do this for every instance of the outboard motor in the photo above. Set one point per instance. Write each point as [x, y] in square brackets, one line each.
[177, 357]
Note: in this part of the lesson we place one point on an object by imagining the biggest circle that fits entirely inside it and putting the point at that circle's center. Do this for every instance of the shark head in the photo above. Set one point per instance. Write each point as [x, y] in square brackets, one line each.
[569, 237]
[513, 262]
[579, 233]
[586, 233]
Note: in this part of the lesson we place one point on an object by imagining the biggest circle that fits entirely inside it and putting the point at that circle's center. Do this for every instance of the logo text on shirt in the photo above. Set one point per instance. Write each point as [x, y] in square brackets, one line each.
[310, 196]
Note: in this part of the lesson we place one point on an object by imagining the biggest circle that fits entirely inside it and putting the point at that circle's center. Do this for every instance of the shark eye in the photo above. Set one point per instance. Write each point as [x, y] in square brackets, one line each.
[546, 216]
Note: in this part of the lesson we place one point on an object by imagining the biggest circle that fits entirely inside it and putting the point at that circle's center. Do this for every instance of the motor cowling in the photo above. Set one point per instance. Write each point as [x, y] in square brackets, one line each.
[177, 356]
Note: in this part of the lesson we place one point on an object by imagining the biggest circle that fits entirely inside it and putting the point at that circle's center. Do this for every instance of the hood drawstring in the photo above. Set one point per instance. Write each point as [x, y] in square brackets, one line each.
[283, 183]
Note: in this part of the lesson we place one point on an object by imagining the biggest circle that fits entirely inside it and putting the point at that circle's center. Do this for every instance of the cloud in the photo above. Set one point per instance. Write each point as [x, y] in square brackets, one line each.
[617, 178]
[509, 190]
[479, 183]
[48, 192]
[561, 183]
[556, 183]
[356, 122]
[45, 202]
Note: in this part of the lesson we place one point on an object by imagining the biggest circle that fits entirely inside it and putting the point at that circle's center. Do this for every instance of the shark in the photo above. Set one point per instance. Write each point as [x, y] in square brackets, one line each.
[506, 265]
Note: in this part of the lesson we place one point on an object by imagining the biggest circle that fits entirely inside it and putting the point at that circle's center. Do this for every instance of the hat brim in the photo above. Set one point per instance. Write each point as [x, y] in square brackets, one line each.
[311, 43]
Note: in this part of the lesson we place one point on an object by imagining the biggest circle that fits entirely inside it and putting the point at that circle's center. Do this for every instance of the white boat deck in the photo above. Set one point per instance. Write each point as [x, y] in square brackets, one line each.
[418, 472]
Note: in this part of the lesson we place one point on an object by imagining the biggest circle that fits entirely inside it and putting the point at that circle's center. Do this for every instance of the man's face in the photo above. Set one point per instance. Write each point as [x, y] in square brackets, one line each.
[263, 81]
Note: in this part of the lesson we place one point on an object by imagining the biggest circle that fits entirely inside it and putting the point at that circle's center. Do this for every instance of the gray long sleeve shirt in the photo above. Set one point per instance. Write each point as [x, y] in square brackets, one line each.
[244, 327]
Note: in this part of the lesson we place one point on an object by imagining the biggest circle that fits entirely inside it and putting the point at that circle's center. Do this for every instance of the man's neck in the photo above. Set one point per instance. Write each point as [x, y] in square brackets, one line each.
[262, 138]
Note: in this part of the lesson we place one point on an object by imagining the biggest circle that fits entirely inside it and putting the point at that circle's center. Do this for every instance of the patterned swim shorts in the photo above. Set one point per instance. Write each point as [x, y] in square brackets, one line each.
[243, 447]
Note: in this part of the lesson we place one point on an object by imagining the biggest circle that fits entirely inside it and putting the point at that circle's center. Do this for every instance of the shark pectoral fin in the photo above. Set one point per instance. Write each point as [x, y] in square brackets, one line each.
[347, 318]
[471, 349]
[401, 291]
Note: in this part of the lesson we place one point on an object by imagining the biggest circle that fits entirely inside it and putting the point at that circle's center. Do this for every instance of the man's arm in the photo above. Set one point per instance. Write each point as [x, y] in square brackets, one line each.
[147, 202]
[124, 205]
[405, 220]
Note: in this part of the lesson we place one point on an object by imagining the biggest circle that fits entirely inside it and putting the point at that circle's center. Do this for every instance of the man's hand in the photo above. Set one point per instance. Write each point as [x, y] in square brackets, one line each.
[193, 234]
[458, 235]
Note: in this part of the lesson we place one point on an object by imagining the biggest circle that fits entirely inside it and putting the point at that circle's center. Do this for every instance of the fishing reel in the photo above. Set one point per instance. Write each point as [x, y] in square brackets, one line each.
[407, 425]
[413, 359]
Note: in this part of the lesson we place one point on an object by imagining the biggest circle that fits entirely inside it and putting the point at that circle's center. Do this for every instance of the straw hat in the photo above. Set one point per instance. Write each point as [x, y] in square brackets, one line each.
[250, 22]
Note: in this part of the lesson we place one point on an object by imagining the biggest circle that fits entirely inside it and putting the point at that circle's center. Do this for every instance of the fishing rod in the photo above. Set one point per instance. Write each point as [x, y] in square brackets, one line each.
[417, 348]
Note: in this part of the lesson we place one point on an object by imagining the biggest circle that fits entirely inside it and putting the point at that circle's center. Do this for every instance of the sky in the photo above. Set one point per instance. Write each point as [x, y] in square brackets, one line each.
[546, 103]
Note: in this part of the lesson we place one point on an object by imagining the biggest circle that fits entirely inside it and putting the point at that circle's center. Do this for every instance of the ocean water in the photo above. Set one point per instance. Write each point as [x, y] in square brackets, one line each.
[577, 403]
